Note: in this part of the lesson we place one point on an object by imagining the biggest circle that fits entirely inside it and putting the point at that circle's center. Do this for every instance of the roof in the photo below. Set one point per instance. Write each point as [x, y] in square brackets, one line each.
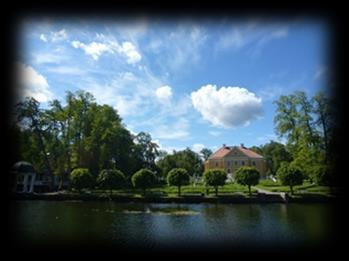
[223, 151]
[23, 167]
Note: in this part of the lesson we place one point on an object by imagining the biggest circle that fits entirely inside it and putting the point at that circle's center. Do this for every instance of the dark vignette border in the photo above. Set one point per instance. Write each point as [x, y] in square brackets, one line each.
[332, 15]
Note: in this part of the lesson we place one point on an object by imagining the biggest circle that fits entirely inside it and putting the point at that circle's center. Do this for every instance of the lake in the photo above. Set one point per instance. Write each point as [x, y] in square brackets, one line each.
[40, 224]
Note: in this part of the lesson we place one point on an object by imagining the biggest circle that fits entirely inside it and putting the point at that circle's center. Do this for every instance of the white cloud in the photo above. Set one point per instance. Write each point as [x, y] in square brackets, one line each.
[32, 83]
[58, 36]
[93, 49]
[197, 147]
[227, 106]
[54, 36]
[130, 51]
[43, 38]
[164, 94]
[96, 49]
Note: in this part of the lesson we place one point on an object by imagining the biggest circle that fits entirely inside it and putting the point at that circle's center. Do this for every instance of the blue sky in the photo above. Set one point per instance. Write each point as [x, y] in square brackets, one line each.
[188, 82]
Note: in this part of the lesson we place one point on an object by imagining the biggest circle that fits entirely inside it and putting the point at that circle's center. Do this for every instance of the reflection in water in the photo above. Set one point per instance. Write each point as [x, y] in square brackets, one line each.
[154, 225]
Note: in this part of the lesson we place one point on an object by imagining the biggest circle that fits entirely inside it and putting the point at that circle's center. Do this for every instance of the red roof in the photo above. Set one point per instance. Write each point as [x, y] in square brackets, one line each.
[223, 151]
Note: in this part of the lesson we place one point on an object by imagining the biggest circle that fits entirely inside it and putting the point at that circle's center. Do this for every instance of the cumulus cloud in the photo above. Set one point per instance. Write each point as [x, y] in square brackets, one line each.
[32, 83]
[93, 49]
[130, 51]
[54, 36]
[96, 49]
[164, 94]
[227, 106]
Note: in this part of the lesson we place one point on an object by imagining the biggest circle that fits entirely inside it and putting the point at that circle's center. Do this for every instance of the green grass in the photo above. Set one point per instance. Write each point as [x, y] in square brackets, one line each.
[187, 190]
[306, 187]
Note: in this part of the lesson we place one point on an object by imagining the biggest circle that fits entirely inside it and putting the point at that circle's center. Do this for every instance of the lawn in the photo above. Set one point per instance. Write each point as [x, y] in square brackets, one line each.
[196, 190]
[306, 187]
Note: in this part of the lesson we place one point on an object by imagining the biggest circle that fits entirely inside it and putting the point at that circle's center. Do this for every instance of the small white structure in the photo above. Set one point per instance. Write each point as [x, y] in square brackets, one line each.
[25, 177]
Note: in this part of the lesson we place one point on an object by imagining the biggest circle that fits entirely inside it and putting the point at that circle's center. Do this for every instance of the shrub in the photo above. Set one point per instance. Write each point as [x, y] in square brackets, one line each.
[81, 178]
[144, 179]
[111, 179]
[178, 177]
[290, 175]
[247, 176]
[215, 178]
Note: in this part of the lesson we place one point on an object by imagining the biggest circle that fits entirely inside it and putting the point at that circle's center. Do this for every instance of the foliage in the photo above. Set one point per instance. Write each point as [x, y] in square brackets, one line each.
[144, 179]
[111, 179]
[248, 176]
[307, 124]
[178, 177]
[185, 159]
[215, 178]
[80, 133]
[205, 153]
[81, 178]
[290, 175]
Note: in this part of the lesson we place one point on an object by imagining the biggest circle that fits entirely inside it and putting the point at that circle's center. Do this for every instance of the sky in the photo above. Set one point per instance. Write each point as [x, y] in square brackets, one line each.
[188, 82]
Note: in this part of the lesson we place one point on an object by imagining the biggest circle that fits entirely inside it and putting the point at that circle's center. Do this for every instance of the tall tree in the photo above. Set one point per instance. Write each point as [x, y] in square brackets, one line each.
[206, 153]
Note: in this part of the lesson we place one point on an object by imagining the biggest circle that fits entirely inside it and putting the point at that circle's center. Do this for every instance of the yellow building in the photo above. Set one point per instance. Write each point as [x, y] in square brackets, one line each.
[230, 158]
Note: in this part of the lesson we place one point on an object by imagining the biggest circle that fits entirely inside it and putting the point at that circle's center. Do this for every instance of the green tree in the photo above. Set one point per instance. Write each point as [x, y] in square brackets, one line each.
[290, 175]
[144, 179]
[178, 177]
[247, 176]
[81, 178]
[206, 153]
[186, 159]
[111, 179]
[30, 117]
[215, 178]
[274, 153]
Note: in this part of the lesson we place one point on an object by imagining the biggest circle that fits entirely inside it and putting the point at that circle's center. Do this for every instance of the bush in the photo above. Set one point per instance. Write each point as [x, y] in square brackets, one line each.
[215, 178]
[178, 177]
[144, 179]
[290, 175]
[111, 179]
[81, 178]
[247, 176]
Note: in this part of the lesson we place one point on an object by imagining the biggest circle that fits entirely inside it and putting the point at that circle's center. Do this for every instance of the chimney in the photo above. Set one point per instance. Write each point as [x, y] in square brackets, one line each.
[242, 145]
[224, 145]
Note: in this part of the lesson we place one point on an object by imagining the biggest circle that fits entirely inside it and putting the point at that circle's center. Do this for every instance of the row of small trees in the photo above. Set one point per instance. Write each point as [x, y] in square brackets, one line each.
[143, 179]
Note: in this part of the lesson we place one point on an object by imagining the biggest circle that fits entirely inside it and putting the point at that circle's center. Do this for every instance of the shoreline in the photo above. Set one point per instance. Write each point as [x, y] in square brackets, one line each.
[190, 199]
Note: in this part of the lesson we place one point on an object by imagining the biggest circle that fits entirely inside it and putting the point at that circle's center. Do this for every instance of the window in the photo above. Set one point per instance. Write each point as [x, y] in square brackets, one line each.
[253, 163]
[242, 163]
[216, 164]
[236, 163]
[228, 170]
[228, 163]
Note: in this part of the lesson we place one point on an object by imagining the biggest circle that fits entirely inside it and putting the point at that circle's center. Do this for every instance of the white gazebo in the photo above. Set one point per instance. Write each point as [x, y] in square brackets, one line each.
[25, 177]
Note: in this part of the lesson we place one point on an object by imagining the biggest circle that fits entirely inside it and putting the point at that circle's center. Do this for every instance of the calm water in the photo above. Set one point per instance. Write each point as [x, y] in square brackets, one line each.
[40, 223]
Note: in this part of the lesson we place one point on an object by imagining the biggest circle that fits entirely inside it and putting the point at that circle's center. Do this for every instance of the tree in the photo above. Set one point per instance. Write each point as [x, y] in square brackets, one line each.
[206, 153]
[81, 178]
[274, 153]
[215, 178]
[178, 177]
[247, 176]
[111, 179]
[30, 117]
[144, 179]
[290, 175]
[186, 159]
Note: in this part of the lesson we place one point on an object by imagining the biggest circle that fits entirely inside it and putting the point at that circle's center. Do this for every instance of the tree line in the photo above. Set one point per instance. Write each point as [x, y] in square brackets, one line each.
[307, 126]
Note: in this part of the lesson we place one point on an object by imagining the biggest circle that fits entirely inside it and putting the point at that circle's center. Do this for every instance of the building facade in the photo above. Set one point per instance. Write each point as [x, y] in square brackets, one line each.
[231, 158]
